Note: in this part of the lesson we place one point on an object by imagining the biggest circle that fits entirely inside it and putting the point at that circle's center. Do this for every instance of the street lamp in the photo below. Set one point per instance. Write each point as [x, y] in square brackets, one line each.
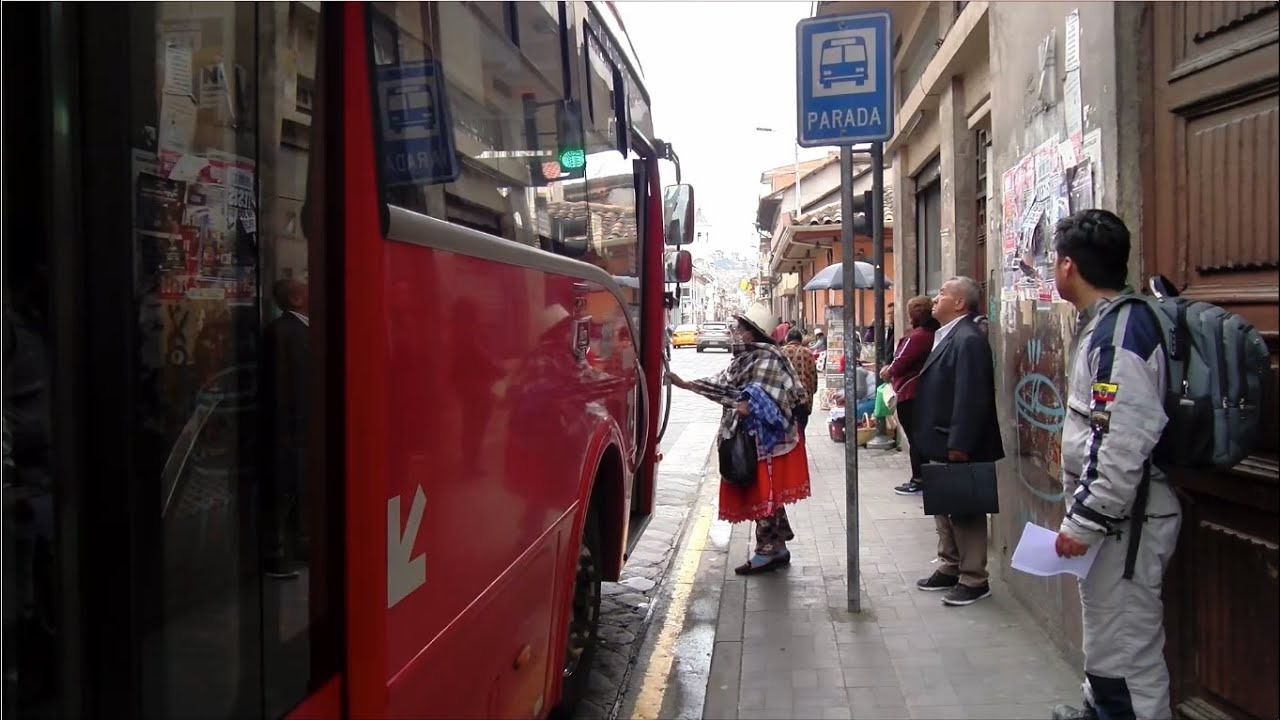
[795, 166]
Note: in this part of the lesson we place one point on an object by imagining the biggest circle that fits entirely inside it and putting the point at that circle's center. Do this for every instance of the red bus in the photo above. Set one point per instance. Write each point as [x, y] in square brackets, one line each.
[333, 348]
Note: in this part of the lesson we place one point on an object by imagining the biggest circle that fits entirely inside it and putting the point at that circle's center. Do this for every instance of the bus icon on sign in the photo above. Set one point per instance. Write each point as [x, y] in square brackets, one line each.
[843, 60]
[410, 106]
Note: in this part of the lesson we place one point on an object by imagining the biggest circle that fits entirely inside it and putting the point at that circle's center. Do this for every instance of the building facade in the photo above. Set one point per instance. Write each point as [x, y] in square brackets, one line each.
[793, 249]
[1012, 115]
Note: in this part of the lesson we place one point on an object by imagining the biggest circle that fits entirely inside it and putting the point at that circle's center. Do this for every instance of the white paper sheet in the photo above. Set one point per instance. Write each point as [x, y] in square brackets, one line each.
[1091, 149]
[177, 123]
[1036, 555]
[188, 168]
[177, 70]
[1067, 150]
[1072, 50]
[1074, 105]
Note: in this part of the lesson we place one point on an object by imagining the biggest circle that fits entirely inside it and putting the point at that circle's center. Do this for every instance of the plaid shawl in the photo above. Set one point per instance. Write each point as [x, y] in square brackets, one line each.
[760, 364]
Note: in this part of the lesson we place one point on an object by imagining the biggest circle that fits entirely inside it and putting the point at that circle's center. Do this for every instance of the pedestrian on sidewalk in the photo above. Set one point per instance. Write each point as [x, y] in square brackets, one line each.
[903, 373]
[806, 369]
[1117, 371]
[779, 332]
[864, 389]
[819, 343]
[285, 358]
[955, 422]
[760, 381]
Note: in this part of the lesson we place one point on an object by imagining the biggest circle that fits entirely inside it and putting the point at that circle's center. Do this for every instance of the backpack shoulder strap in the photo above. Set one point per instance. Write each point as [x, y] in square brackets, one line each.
[1173, 347]
[1137, 518]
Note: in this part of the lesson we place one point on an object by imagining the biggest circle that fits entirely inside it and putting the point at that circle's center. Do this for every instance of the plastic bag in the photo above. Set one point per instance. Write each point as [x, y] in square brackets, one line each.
[890, 397]
[738, 458]
[883, 410]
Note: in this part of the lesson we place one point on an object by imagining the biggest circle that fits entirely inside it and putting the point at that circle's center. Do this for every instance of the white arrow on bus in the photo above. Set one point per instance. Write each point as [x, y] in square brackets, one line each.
[404, 572]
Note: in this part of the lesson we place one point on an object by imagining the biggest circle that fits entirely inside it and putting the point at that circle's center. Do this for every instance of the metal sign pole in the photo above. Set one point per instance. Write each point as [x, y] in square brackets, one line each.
[832, 109]
[850, 391]
[880, 441]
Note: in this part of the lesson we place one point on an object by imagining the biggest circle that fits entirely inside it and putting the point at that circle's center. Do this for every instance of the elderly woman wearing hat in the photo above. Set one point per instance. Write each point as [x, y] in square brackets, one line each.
[760, 382]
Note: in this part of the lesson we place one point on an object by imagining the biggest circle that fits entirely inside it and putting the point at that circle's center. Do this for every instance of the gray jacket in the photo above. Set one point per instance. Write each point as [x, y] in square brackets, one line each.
[1114, 417]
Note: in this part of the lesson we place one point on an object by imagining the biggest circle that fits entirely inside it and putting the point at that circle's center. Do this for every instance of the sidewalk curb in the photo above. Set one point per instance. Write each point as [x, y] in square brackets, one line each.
[644, 644]
[724, 682]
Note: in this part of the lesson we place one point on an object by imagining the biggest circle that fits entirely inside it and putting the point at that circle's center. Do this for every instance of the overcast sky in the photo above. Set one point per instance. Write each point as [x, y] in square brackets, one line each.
[715, 72]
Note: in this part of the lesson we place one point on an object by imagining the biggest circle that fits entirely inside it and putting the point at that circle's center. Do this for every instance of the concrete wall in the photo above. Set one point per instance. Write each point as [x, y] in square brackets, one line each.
[1031, 336]
[820, 182]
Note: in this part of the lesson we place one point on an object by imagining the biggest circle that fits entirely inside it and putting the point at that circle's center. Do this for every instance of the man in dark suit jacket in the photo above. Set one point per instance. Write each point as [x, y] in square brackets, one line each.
[283, 401]
[955, 421]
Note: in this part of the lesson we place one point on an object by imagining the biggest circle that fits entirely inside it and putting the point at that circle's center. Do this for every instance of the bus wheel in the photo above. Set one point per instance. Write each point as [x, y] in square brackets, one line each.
[584, 617]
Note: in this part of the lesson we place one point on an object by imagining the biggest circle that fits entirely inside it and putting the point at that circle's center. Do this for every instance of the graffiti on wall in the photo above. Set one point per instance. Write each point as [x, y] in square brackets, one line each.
[1040, 406]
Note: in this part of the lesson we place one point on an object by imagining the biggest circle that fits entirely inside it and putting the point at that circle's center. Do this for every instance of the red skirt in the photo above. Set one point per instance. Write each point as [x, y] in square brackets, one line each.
[787, 483]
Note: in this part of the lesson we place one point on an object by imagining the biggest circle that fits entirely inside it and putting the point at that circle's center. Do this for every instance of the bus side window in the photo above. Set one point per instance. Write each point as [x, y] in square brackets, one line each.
[534, 163]
[477, 157]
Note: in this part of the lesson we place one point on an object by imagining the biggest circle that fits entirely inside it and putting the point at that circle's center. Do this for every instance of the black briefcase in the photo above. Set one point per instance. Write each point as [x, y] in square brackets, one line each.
[960, 489]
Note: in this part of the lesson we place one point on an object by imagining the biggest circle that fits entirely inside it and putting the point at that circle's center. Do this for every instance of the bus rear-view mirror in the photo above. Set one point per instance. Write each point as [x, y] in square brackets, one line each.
[677, 206]
[679, 266]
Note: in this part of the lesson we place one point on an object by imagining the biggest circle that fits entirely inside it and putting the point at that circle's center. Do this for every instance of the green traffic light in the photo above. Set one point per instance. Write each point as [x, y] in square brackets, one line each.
[573, 159]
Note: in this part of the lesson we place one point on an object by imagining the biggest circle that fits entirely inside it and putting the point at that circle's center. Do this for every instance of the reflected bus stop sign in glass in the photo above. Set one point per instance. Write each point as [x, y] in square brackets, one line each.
[415, 132]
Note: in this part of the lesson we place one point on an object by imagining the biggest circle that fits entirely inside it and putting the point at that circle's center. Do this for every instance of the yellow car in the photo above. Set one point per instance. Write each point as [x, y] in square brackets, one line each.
[685, 336]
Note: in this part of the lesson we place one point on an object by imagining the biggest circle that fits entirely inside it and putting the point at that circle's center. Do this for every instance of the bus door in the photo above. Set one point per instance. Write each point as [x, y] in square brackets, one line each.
[206, 565]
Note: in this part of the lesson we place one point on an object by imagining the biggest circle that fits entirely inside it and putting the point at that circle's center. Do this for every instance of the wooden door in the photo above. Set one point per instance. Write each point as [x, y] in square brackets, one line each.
[1213, 228]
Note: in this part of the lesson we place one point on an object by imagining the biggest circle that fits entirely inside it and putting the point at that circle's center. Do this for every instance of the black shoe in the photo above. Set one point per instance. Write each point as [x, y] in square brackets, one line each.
[911, 487]
[757, 564]
[938, 581]
[1066, 712]
[965, 595]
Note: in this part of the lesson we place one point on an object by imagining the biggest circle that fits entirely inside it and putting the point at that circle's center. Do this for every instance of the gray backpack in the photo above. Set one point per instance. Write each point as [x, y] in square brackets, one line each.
[1217, 363]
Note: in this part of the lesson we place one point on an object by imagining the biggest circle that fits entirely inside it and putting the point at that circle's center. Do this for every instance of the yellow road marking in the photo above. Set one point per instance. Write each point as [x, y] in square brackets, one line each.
[654, 688]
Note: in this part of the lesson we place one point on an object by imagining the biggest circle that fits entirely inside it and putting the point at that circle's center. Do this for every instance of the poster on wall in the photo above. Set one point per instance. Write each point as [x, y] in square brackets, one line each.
[835, 343]
[158, 203]
[1080, 187]
[1039, 190]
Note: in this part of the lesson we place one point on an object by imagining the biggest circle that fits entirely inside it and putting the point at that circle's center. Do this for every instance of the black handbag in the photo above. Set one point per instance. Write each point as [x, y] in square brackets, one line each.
[738, 458]
[960, 488]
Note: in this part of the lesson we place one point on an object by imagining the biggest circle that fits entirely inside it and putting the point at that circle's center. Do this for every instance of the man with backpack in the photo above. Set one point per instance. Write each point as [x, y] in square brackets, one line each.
[1116, 415]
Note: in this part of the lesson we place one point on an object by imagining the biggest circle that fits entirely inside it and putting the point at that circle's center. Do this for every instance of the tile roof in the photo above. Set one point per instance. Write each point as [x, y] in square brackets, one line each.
[612, 229]
[829, 214]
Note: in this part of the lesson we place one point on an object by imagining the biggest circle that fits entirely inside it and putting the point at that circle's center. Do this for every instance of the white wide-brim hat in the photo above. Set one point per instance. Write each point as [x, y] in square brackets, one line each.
[760, 317]
[548, 318]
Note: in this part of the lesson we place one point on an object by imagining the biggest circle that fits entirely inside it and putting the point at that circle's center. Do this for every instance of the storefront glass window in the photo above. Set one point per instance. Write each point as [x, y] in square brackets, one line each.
[502, 103]
[227, 393]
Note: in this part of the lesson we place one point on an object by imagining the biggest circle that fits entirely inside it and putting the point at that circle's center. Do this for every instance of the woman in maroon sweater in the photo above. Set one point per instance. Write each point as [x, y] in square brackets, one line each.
[908, 359]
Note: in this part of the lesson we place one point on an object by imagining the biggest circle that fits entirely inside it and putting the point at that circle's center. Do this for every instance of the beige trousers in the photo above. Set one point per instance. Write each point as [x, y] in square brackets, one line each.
[962, 547]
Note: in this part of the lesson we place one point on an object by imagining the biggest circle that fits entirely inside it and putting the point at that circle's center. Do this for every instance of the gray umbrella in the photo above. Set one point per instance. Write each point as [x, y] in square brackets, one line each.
[832, 277]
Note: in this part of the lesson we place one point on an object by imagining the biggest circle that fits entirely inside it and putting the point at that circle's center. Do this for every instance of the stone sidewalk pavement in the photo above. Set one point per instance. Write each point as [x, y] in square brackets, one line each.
[785, 646]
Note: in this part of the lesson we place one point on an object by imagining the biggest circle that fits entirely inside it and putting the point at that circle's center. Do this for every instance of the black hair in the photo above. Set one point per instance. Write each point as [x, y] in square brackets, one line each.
[794, 335]
[1098, 243]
